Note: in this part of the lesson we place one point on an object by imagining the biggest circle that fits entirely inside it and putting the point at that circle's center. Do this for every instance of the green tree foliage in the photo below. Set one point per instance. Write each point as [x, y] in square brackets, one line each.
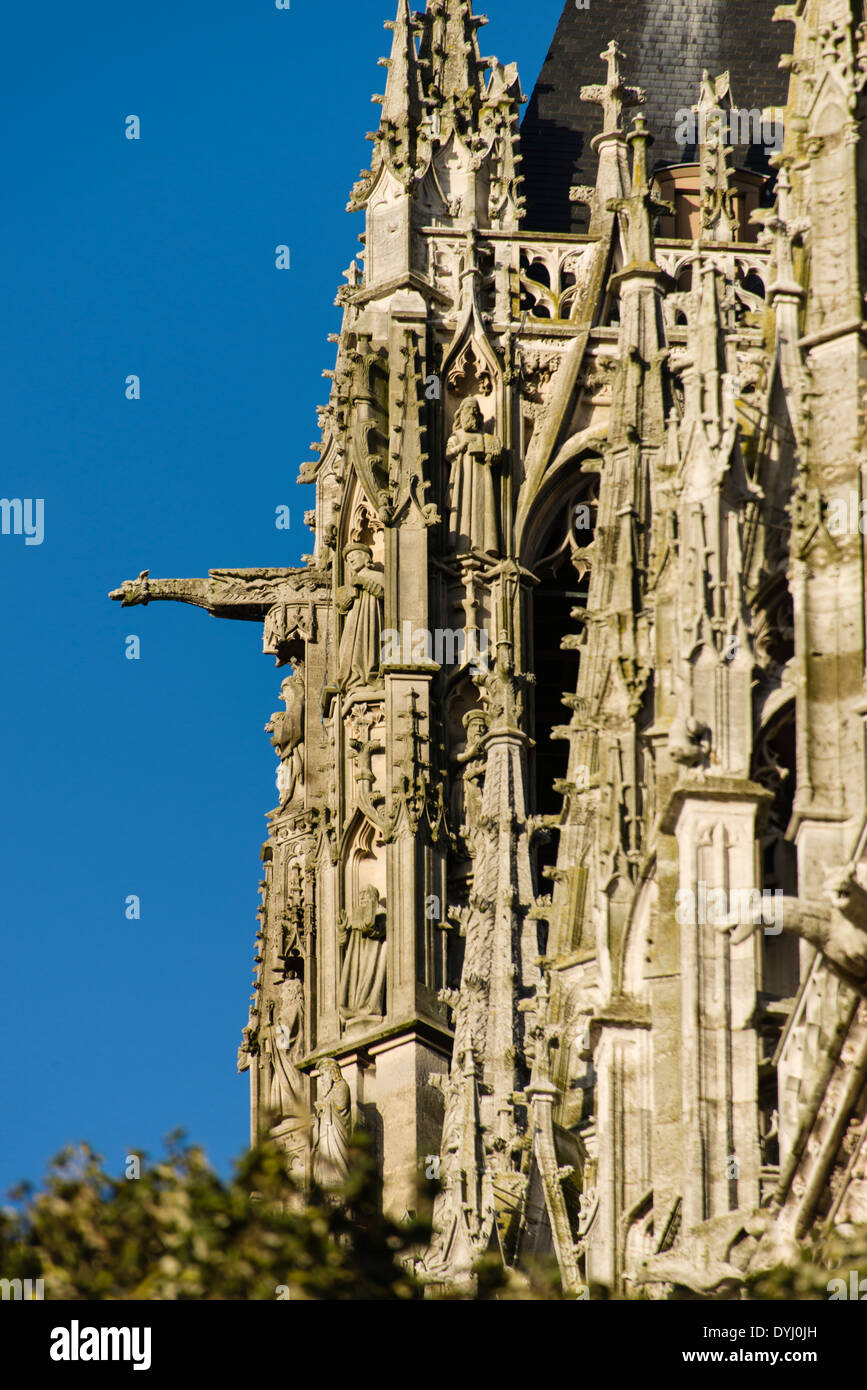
[180, 1232]
[836, 1256]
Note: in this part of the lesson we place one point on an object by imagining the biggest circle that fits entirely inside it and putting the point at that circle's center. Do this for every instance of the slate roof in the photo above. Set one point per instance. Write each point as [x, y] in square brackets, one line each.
[667, 44]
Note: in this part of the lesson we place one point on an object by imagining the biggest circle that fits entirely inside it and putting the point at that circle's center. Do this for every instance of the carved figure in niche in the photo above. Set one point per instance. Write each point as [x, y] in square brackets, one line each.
[473, 759]
[287, 736]
[332, 1126]
[362, 976]
[285, 1097]
[472, 504]
[361, 600]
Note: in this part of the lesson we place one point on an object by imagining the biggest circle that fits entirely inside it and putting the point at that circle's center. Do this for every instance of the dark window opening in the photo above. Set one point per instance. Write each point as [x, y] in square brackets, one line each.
[774, 769]
[558, 594]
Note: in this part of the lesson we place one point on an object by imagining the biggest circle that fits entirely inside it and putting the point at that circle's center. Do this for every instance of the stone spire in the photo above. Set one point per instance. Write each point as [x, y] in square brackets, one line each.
[400, 143]
[404, 99]
[403, 103]
[447, 148]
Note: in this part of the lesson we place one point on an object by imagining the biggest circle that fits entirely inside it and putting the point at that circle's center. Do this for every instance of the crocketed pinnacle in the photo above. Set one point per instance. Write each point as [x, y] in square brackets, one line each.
[456, 69]
[403, 104]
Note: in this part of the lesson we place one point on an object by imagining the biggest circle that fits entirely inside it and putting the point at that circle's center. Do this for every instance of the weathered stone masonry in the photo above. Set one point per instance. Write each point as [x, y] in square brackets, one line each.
[578, 902]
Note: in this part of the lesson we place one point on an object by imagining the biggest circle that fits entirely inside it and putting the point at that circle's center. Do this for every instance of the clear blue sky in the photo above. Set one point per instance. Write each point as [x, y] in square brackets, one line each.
[151, 777]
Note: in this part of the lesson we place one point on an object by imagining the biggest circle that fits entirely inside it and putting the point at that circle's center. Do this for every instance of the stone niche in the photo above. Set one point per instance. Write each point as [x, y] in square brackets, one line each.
[362, 934]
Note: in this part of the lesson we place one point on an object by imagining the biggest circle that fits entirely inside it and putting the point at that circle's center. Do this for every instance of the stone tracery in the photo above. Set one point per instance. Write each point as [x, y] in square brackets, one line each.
[698, 397]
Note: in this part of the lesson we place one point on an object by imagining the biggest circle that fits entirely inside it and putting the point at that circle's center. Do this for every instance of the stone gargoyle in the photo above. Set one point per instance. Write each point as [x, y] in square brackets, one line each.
[836, 924]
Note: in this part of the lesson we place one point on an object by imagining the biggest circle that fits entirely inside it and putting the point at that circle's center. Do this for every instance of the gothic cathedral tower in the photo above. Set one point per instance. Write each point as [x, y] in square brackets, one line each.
[566, 889]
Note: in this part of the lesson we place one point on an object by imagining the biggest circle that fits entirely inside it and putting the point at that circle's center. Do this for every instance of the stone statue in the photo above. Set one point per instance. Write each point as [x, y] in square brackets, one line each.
[332, 1127]
[287, 736]
[361, 600]
[472, 504]
[286, 1043]
[473, 759]
[362, 976]
[248, 1048]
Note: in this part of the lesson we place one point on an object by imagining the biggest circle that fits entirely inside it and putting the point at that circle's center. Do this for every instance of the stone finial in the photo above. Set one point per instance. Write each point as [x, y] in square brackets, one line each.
[455, 67]
[613, 95]
[718, 217]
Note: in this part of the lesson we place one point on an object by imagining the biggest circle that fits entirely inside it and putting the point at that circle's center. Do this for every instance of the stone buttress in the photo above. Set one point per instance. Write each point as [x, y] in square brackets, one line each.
[602, 972]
